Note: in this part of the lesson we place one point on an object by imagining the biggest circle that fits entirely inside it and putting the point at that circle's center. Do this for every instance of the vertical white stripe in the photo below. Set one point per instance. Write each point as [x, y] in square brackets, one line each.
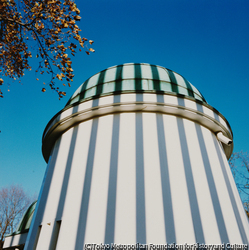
[128, 98]
[110, 74]
[180, 81]
[125, 219]
[96, 218]
[108, 87]
[85, 105]
[208, 111]
[145, 84]
[235, 193]
[128, 71]
[71, 212]
[155, 229]
[223, 123]
[45, 236]
[208, 219]
[66, 113]
[128, 84]
[149, 97]
[163, 74]
[106, 100]
[190, 104]
[146, 71]
[37, 217]
[180, 198]
[93, 81]
[225, 202]
[57, 180]
[171, 99]
[54, 192]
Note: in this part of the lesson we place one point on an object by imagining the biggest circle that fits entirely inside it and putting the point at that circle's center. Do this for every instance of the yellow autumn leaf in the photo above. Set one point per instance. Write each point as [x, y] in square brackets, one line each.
[59, 77]
[77, 18]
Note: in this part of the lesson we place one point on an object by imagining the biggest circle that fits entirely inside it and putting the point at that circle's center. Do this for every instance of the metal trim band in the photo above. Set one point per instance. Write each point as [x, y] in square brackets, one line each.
[53, 132]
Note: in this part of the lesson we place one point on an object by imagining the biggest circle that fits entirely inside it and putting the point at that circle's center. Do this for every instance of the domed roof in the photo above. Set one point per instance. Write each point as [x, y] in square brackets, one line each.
[134, 77]
[25, 222]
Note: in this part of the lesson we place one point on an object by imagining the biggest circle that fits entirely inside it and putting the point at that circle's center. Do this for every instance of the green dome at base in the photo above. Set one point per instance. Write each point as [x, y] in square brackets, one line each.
[134, 77]
[26, 220]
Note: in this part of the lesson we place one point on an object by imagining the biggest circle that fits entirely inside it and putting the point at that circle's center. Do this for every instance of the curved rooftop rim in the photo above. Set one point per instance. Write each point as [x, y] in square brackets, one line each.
[128, 92]
[53, 131]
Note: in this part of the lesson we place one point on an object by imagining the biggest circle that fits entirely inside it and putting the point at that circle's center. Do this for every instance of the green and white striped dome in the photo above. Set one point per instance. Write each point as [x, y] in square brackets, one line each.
[134, 77]
[26, 219]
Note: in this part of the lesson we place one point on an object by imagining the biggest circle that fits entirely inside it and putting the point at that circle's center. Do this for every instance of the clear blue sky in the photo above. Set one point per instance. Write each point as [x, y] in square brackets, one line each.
[206, 41]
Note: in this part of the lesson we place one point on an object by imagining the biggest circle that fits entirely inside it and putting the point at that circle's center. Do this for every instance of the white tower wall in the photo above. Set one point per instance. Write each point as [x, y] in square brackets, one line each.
[137, 167]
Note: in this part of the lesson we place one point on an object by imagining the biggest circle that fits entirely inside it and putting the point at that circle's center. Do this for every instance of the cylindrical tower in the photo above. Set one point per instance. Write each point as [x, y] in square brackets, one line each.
[134, 157]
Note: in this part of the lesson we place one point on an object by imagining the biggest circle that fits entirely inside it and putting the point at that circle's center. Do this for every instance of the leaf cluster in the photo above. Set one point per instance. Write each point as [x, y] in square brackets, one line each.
[44, 28]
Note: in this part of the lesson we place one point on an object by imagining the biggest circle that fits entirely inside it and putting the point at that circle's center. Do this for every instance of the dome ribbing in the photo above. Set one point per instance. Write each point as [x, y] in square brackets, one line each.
[134, 77]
